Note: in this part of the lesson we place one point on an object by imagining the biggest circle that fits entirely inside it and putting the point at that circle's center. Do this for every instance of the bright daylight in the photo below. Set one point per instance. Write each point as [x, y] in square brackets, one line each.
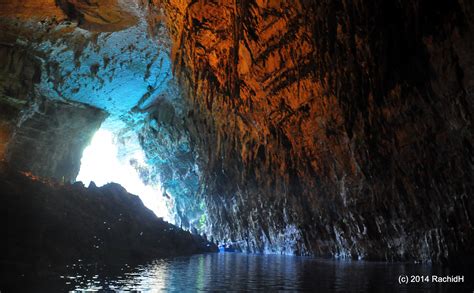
[100, 163]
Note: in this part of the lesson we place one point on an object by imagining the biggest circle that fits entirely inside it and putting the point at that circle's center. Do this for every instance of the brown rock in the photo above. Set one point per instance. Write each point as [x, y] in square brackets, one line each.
[104, 15]
[333, 128]
[31, 9]
[95, 15]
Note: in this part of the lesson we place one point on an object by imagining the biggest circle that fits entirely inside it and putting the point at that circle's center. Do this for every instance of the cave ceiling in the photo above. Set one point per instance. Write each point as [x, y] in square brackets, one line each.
[339, 128]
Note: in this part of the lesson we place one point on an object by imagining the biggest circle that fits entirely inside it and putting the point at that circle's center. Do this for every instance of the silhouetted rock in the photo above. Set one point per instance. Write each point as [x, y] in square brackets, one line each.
[331, 128]
[45, 223]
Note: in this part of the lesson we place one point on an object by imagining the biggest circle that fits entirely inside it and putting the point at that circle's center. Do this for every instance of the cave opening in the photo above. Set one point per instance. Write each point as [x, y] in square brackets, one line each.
[107, 160]
[132, 131]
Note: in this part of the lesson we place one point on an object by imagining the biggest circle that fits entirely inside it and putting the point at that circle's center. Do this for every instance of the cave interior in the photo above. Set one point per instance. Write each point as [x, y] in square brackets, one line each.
[340, 129]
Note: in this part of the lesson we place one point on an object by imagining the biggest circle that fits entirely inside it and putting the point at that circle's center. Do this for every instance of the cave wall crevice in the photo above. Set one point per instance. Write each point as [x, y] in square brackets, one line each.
[332, 128]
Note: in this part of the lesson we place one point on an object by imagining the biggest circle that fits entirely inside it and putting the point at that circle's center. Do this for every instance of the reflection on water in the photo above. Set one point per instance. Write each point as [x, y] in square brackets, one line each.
[244, 272]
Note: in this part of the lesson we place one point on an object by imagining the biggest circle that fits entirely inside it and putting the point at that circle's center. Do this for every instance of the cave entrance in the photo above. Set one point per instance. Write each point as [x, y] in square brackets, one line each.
[107, 160]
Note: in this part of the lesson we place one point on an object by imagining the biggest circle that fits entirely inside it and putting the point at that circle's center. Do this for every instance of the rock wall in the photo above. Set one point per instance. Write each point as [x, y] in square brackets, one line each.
[28, 9]
[18, 74]
[93, 15]
[50, 136]
[339, 128]
[104, 54]
[38, 134]
[166, 141]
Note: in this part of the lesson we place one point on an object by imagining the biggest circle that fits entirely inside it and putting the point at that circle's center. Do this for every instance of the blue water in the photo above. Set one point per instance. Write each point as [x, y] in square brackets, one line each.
[243, 272]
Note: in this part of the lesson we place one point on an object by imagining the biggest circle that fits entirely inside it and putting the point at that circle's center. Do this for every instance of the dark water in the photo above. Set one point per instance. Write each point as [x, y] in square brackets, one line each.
[242, 272]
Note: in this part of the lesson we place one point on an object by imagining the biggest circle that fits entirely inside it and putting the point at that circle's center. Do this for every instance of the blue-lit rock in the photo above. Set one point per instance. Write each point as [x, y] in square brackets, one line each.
[126, 73]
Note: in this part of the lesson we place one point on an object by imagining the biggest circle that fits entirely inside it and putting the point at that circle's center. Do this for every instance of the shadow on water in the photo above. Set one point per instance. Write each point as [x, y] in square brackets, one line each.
[237, 272]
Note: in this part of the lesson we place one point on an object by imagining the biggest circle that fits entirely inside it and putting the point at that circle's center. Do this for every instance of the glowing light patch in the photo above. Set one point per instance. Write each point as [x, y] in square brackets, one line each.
[100, 163]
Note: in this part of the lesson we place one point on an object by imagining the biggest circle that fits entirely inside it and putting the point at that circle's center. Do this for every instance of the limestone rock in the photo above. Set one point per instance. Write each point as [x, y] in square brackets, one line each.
[30, 9]
[104, 15]
[95, 15]
[50, 137]
[338, 128]
[19, 73]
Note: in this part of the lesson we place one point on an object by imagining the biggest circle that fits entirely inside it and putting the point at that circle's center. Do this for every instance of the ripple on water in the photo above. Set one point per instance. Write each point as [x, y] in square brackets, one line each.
[247, 272]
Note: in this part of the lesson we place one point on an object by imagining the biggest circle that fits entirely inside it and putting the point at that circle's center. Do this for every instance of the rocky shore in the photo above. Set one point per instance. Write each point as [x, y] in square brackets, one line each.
[48, 223]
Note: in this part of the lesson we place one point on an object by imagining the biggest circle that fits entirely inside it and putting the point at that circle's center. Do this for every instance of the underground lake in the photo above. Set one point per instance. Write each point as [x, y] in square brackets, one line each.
[237, 272]
[236, 145]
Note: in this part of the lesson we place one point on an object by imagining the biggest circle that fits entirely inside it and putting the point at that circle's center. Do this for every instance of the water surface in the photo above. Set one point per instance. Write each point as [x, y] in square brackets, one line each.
[243, 272]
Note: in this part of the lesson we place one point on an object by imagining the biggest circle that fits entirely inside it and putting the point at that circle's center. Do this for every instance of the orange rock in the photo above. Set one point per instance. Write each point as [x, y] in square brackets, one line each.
[94, 15]
[5, 133]
[31, 9]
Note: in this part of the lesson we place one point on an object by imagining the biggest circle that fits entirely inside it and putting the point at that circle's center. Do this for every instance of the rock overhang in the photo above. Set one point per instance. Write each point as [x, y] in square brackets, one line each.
[294, 123]
[125, 72]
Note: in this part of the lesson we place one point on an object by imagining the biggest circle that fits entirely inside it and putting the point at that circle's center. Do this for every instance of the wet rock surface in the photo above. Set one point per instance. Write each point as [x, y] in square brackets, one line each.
[125, 73]
[50, 137]
[332, 128]
[46, 223]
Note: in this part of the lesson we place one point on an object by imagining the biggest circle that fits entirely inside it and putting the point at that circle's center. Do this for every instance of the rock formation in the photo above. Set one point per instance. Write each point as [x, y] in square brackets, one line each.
[50, 138]
[123, 71]
[46, 223]
[93, 15]
[334, 128]
[18, 76]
